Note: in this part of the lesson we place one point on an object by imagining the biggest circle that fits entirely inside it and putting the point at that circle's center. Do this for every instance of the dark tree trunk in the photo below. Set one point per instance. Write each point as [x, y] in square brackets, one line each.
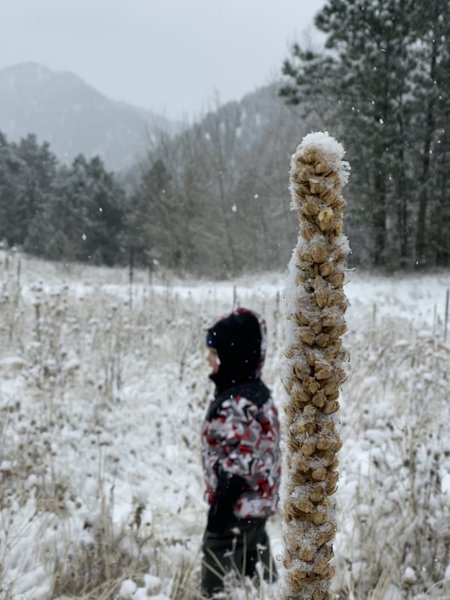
[379, 217]
[421, 225]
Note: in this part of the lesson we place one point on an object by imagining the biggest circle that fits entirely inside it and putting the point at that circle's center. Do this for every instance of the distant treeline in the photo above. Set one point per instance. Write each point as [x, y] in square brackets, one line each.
[74, 213]
[213, 201]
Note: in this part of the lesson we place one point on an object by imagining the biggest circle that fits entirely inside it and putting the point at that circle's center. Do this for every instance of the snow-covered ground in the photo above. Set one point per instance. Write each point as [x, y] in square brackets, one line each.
[102, 392]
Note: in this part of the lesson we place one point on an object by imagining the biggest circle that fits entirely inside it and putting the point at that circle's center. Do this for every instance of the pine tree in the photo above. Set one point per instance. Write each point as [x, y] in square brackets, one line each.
[38, 182]
[11, 177]
[153, 229]
[104, 215]
[432, 108]
[362, 86]
[83, 221]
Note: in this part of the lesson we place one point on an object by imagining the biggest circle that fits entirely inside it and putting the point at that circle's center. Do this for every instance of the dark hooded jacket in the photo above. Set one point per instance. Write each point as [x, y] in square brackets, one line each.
[241, 432]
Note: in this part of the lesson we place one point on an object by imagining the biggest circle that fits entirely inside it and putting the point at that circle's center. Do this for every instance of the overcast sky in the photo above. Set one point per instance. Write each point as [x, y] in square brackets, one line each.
[171, 56]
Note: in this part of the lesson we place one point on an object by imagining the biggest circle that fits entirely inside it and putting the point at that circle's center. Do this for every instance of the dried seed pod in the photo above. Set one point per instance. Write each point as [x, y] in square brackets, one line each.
[341, 375]
[323, 444]
[329, 196]
[328, 457]
[316, 496]
[331, 388]
[336, 279]
[338, 230]
[306, 258]
[323, 298]
[326, 269]
[308, 231]
[325, 219]
[306, 335]
[301, 318]
[319, 474]
[319, 517]
[324, 569]
[306, 554]
[304, 464]
[323, 373]
[305, 506]
[296, 577]
[310, 207]
[319, 399]
[308, 448]
[319, 253]
[307, 428]
[291, 410]
[332, 479]
[331, 489]
[326, 535]
[300, 394]
[330, 407]
[317, 327]
[293, 445]
[323, 340]
[298, 478]
[310, 357]
[311, 385]
[316, 186]
[315, 370]
[302, 371]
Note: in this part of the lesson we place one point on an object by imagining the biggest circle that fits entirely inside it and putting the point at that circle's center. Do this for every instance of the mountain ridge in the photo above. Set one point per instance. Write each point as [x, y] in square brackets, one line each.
[73, 116]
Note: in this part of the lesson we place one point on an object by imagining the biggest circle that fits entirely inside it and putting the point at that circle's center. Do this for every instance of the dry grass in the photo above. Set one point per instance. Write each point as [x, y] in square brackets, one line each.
[396, 427]
[68, 354]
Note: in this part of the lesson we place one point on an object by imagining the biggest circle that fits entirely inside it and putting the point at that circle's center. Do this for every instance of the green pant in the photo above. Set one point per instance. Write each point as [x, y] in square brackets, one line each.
[237, 549]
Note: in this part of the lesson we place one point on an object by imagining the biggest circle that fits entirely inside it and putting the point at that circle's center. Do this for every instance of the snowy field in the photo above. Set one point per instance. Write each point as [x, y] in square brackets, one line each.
[102, 392]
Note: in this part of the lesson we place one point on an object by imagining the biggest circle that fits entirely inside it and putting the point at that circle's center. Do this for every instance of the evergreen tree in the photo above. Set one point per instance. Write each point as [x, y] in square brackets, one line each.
[36, 190]
[74, 213]
[83, 221]
[153, 218]
[364, 89]
[432, 109]
[104, 215]
[11, 172]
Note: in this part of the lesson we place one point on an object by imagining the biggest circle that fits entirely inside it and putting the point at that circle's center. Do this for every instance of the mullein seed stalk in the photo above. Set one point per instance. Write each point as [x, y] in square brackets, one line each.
[314, 372]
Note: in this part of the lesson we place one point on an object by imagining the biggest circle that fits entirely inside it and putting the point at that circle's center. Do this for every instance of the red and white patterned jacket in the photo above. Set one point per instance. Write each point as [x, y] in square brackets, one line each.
[241, 436]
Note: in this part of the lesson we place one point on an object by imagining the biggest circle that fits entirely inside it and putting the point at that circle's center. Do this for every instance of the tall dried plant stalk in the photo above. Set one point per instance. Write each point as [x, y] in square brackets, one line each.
[314, 370]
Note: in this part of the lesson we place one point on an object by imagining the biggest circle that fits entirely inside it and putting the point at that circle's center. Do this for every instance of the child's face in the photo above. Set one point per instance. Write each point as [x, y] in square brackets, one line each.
[213, 359]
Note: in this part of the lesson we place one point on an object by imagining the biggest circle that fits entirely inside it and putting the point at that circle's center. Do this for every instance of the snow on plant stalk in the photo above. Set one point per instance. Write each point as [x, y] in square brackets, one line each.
[313, 371]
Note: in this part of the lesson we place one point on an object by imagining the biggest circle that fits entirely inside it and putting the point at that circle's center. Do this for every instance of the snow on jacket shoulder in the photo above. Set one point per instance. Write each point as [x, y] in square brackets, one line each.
[241, 436]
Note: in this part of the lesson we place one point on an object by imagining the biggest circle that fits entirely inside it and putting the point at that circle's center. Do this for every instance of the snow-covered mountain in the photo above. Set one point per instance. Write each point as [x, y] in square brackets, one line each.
[59, 107]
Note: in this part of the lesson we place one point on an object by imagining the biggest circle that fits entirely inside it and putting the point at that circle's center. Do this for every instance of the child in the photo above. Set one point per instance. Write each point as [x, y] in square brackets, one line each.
[240, 453]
